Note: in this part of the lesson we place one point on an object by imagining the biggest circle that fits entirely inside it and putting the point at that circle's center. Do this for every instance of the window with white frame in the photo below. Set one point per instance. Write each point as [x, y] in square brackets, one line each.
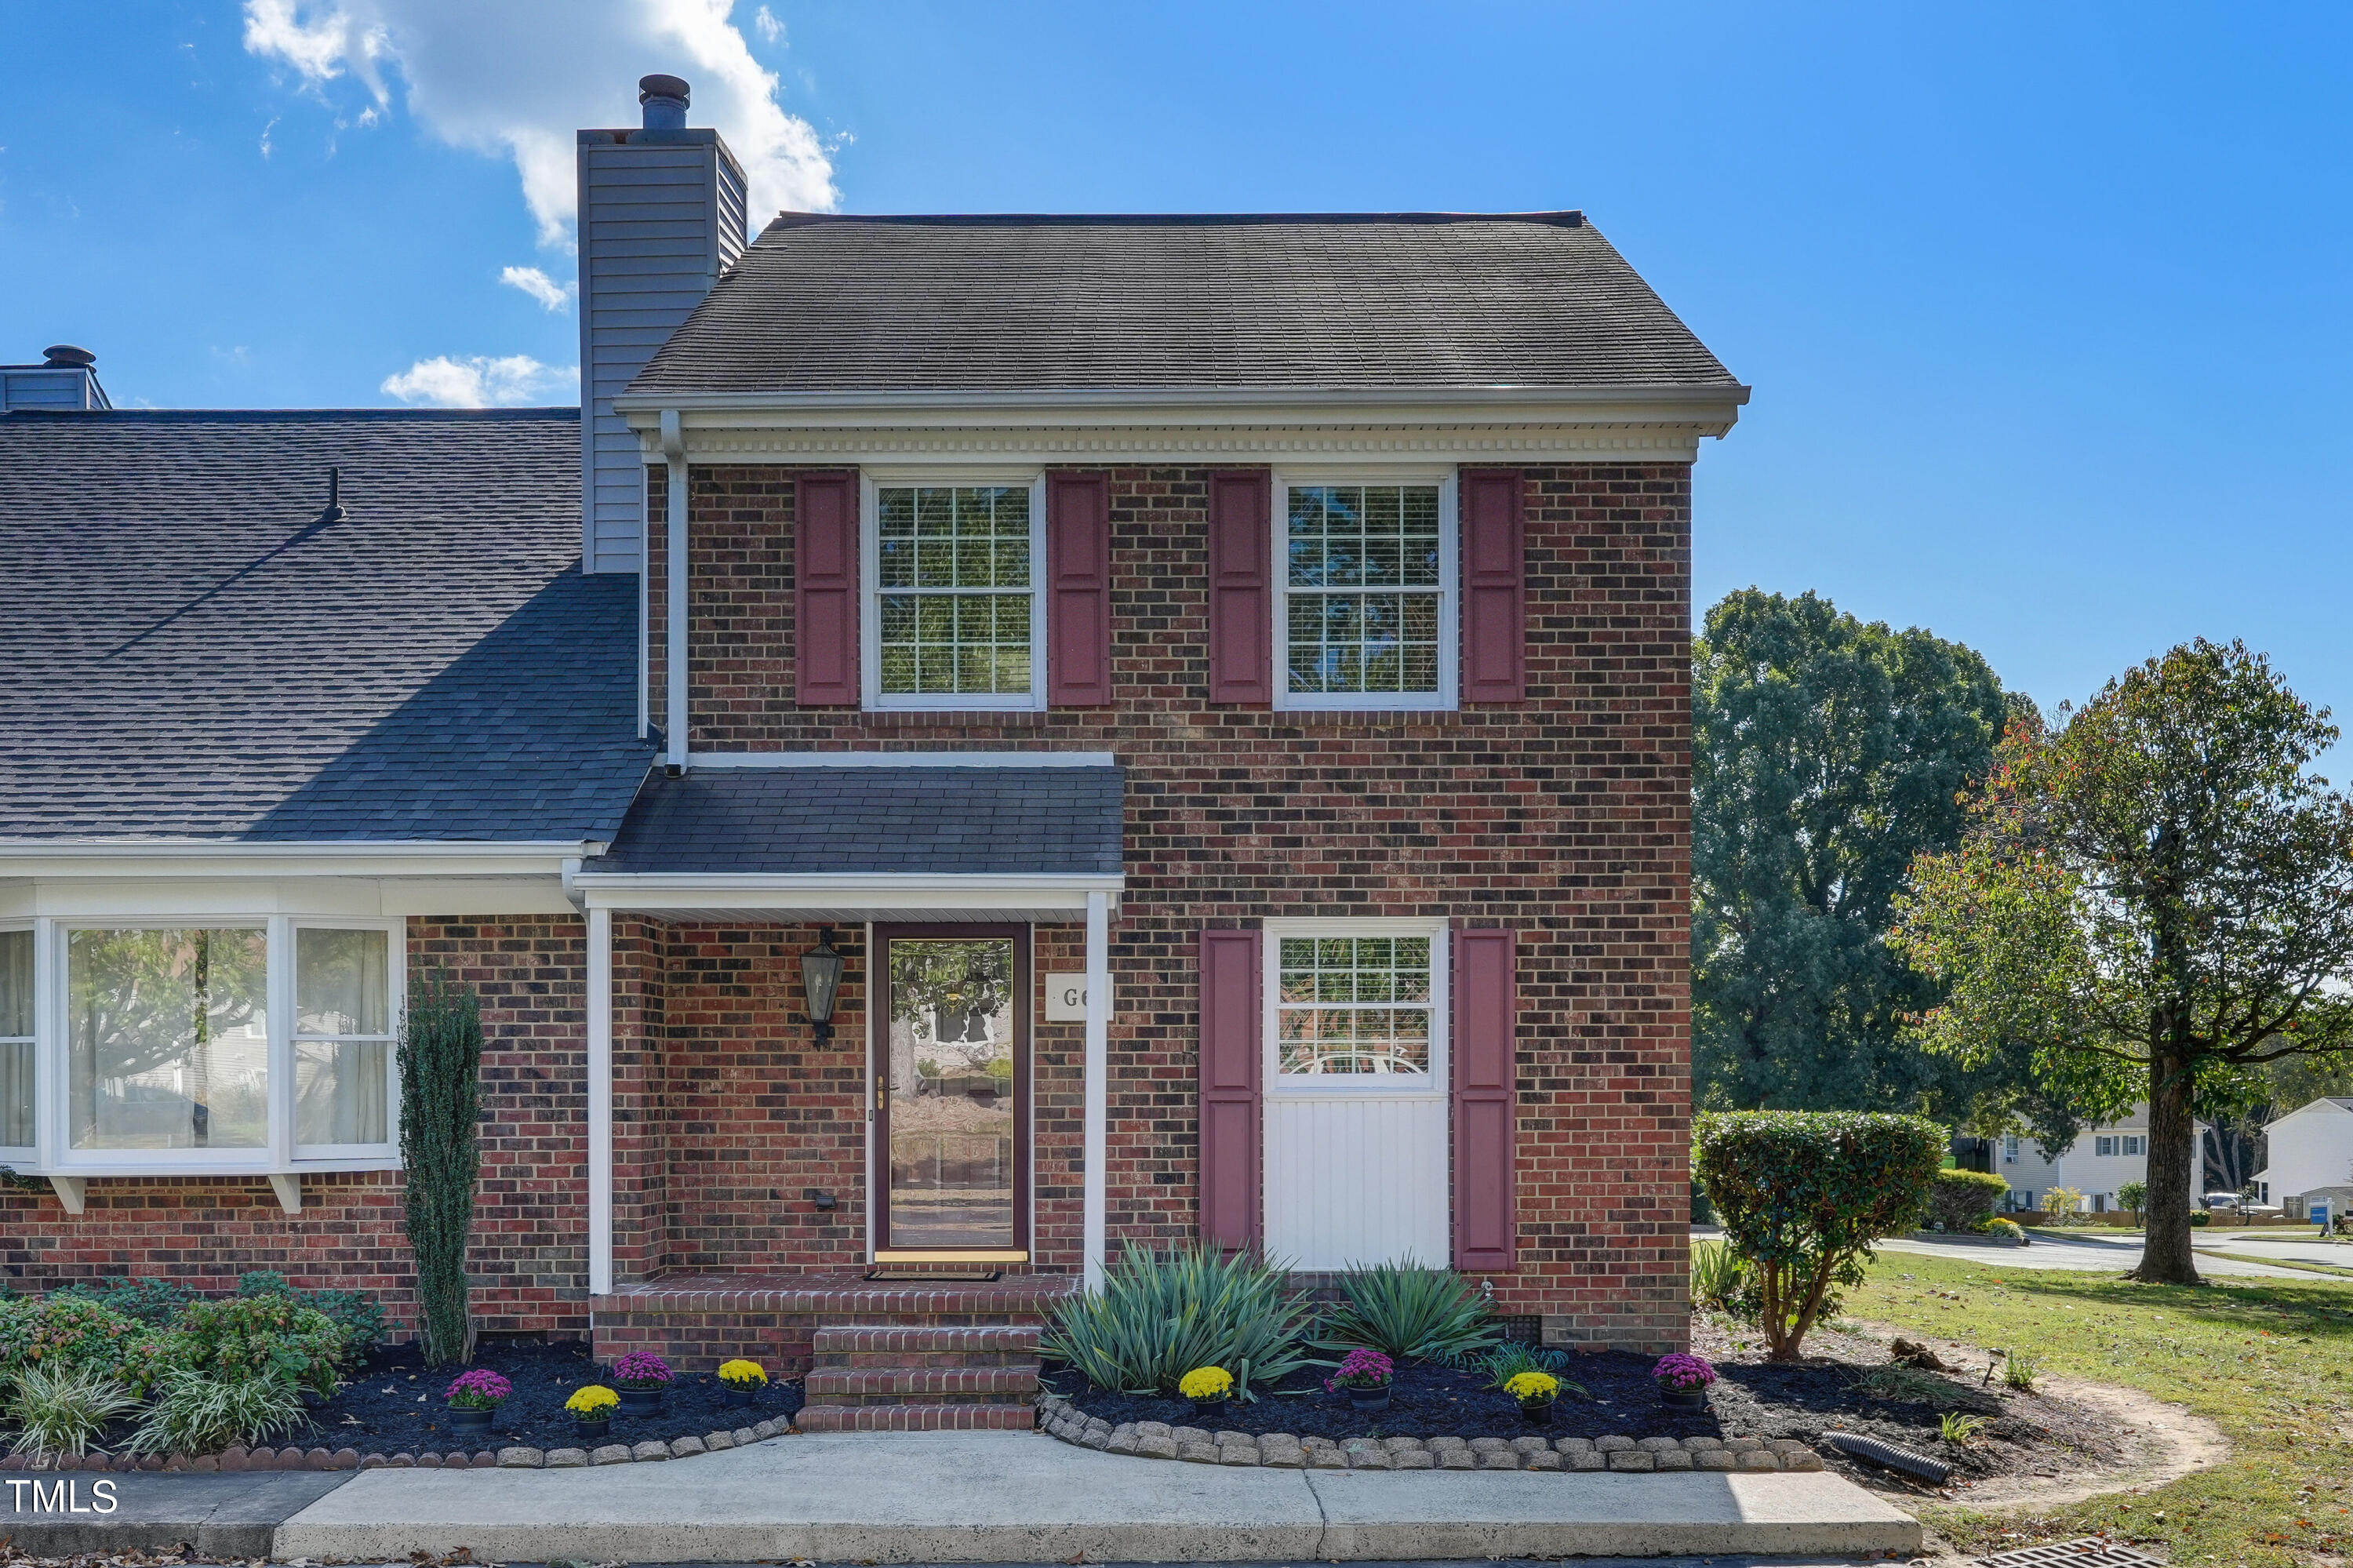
[1366, 616]
[1353, 1006]
[17, 1039]
[260, 1045]
[2103, 1147]
[954, 618]
[2009, 1150]
[2132, 1143]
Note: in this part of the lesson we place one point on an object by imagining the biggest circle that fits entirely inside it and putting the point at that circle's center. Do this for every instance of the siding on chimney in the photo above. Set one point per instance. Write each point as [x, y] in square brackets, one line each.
[662, 216]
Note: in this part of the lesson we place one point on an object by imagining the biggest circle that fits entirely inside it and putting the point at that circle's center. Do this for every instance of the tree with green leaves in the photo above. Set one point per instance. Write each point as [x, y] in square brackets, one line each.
[2154, 901]
[1827, 753]
[440, 1055]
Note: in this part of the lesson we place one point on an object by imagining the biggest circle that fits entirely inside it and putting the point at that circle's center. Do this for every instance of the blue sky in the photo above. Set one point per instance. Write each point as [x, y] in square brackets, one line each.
[2046, 308]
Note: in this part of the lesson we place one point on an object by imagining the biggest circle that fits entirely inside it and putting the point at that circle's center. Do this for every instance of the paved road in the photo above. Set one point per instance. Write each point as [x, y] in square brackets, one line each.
[2099, 1252]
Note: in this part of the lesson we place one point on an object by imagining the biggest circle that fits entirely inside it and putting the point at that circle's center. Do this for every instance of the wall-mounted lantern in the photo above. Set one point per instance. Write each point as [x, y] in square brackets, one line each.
[820, 978]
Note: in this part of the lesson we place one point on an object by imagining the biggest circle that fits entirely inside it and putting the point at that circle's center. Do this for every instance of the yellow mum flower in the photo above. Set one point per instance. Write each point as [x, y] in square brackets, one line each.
[1528, 1386]
[743, 1371]
[592, 1402]
[1206, 1383]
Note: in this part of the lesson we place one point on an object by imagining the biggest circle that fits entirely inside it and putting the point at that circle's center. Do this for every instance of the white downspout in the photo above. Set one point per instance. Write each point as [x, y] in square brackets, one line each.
[600, 1102]
[1098, 1086]
[674, 587]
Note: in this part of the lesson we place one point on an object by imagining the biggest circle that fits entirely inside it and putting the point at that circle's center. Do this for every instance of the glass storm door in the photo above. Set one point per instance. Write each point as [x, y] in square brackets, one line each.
[952, 1094]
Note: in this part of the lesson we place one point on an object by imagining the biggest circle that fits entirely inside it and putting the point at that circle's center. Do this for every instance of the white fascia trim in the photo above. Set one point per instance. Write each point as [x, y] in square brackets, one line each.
[785, 891]
[695, 760]
[1321, 405]
[154, 858]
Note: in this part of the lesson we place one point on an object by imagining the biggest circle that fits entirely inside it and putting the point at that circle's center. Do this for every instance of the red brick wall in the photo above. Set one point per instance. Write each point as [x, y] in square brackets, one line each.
[1566, 816]
[529, 1258]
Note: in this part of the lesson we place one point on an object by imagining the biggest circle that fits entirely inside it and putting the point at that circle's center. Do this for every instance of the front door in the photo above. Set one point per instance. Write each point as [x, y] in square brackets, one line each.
[952, 1094]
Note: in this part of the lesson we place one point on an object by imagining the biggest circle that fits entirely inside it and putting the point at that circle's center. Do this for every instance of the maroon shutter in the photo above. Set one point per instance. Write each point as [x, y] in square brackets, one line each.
[1242, 594]
[1484, 1005]
[1494, 589]
[1078, 590]
[1231, 1053]
[825, 590]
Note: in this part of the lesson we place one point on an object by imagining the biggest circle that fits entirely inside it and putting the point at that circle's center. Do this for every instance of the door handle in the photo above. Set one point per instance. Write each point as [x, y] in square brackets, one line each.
[882, 1091]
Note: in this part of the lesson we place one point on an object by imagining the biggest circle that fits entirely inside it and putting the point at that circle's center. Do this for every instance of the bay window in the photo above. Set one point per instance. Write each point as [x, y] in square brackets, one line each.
[262, 1044]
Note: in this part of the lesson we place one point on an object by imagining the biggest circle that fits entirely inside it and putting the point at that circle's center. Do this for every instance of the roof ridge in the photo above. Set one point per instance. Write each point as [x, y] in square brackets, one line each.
[1567, 218]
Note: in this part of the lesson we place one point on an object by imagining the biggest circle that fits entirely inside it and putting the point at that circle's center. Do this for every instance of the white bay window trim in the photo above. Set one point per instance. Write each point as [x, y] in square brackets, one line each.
[280, 1156]
[871, 482]
[1446, 696]
[16, 1079]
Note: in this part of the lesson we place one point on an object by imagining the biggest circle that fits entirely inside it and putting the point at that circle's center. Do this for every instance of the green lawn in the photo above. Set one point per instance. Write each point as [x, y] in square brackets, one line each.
[2268, 1360]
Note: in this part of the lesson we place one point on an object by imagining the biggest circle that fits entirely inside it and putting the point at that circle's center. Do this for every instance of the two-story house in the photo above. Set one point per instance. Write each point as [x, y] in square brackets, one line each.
[2101, 1161]
[987, 741]
[2309, 1158]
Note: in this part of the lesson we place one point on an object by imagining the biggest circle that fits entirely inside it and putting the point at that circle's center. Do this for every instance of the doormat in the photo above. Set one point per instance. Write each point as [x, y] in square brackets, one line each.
[2089, 1552]
[966, 1274]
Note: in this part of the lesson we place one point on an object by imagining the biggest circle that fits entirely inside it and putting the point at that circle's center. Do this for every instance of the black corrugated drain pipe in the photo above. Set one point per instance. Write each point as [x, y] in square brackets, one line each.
[1935, 1472]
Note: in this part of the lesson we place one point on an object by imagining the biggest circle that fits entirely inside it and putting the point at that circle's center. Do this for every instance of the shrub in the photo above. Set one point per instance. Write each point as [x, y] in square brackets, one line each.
[58, 1409]
[2062, 1205]
[198, 1411]
[269, 1333]
[1963, 1200]
[2007, 1230]
[2201, 1218]
[1803, 1196]
[1410, 1313]
[1157, 1316]
[151, 1299]
[440, 1060]
[1721, 1279]
[360, 1317]
[2132, 1195]
[266, 1282]
[78, 1332]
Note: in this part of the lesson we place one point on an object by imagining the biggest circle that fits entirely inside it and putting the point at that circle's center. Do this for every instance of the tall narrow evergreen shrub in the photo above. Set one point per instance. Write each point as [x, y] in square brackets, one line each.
[440, 1095]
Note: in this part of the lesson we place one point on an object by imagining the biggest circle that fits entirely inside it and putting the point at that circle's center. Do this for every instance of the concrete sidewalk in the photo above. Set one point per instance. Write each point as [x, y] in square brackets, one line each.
[1004, 1497]
[46, 1514]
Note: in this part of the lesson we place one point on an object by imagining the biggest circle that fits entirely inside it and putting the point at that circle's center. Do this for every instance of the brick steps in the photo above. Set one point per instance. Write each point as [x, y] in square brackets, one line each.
[921, 1385]
[911, 1345]
[912, 1371]
[916, 1418]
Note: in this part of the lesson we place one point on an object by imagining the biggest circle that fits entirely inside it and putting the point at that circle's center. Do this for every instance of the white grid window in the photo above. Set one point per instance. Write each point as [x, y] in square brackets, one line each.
[1353, 1006]
[1366, 616]
[955, 609]
[15, 1039]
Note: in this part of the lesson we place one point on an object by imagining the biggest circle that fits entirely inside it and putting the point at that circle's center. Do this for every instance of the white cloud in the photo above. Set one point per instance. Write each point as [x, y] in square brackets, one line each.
[765, 22]
[519, 76]
[480, 381]
[539, 286]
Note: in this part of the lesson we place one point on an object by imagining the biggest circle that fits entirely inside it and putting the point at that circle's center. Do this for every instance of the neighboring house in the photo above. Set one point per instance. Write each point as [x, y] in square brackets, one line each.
[2307, 1152]
[1198, 707]
[2097, 1164]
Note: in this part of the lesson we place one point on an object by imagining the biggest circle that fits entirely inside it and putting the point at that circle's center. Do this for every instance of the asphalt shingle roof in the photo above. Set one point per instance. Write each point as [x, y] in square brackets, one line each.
[952, 821]
[1430, 301]
[192, 652]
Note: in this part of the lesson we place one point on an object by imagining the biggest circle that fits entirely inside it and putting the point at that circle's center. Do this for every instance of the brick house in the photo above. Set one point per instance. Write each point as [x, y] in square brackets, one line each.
[988, 740]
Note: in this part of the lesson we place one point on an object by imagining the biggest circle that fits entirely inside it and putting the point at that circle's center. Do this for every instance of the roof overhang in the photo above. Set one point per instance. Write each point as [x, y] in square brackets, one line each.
[161, 859]
[843, 896]
[1489, 424]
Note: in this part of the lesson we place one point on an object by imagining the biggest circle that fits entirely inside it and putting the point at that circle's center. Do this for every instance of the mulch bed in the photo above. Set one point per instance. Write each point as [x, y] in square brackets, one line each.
[378, 1410]
[2025, 1433]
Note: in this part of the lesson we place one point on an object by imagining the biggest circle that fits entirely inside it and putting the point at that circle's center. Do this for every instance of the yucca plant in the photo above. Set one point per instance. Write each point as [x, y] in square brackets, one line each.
[57, 1410]
[1160, 1315]
[204, 1411]
[1408, 1310]
[1721, 1278]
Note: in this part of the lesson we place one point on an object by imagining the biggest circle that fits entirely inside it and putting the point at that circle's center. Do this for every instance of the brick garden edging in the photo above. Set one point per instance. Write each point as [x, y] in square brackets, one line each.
[1154, 1440]
[239, 1459]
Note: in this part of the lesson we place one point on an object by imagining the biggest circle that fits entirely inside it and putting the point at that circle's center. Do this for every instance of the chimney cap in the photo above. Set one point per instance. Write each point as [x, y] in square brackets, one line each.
[64, 354]
[660, 86]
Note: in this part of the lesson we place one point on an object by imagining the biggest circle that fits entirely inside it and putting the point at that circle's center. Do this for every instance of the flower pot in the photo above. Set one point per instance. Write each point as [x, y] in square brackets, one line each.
[594, 1431]
[463, 1419]
[1682, 1398]
[313, 1399]
[1209, 1409]
[1369, 1398]
[640, 1401]
[737, 1395]
[1537, 1411]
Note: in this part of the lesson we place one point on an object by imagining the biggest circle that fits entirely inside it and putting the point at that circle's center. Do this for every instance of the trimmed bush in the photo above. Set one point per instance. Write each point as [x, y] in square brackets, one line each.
[75, 1331]
[271, 1334]
[2201, 1218]
[1803, 1194]
[1963, 1200]
[1161, 1314]
[1406, 1310]
[151, 1299]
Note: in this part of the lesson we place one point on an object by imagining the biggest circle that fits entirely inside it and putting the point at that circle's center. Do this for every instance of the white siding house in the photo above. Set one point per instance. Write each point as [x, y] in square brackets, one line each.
[2310, 1148]
[2098, 1164]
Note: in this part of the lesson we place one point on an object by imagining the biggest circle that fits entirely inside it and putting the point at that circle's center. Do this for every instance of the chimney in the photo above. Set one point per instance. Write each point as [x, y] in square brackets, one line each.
[662, 216]
[65, 381]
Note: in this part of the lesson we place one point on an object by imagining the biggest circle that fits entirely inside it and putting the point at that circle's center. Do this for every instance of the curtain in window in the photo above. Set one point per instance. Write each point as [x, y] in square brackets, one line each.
[15, 1039]
[342, 1046]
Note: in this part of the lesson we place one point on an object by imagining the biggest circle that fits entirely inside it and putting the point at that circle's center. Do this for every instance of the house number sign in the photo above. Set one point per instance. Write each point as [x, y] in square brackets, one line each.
[1066, 999]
